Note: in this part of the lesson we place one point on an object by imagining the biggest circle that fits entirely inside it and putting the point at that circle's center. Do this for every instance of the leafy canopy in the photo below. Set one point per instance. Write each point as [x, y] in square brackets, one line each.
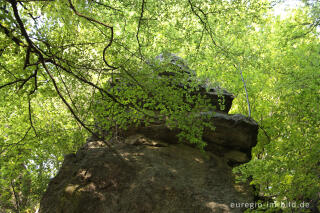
[57, 59]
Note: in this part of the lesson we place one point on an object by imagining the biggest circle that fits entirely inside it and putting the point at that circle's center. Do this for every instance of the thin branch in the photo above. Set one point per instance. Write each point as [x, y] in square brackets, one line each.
[101, 90]
[7, 70]
[101, 23]
[10, 83]
[107, 6]
[35, 74]
[26, 80]
[208, 29]
[23, 80]
[105, 50]
[245, 87]
[68, 92]
[134, 79]
[16, 197]
[11, 36]
[30, 116]
[86, 17]
[63, 99]
[21, 26]
[139, 25]
[199, 44]
[17, 143]
[265, 133]
[93, 93]
[85, 81]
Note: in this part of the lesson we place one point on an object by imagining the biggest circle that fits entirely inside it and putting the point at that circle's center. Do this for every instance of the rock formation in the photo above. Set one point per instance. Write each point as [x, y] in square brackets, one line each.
[150, 172]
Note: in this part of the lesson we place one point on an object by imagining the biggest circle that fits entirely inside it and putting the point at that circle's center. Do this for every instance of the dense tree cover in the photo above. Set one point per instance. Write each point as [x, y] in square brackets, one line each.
[57, 57]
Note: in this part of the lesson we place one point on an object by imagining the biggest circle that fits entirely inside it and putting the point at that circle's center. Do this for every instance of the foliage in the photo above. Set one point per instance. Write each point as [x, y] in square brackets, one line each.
[286, 163]
[57, 59]
[158, 91]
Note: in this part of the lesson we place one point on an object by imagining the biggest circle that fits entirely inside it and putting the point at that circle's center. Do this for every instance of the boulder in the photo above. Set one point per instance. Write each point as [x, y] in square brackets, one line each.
[143, 175]
[149, 171]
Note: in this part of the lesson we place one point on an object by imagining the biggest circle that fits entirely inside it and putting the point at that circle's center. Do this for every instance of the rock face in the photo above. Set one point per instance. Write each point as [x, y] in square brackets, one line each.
[144, 175]
[232, 133]
[150, 172]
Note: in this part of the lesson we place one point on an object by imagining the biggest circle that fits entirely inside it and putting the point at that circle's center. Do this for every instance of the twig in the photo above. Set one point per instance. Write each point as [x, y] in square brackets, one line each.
[35, 75]
[85, 81]
[208, 29]
[139, 25]
[107, 6]
[265, 133]
[13, 144]
[10, 83]
[12, 37]
[68, 92]
[30, 116]
[63, 99]
[16, 197]
[101, 23]
[8, 71]
[245, 88]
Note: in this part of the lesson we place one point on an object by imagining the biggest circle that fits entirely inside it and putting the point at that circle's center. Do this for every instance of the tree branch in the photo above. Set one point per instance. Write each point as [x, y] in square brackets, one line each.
[63, 99]
[8, 71]
[13, 144]
[26, 80]
[139, 25]
[85, 81]
[30, 116]
[245, 88]
[16, 197]
[68, 92]
[208, 29]
[10, 83]
[12, 37]
[206, 26]
[106, 6]
[21, 26]
[101, 23]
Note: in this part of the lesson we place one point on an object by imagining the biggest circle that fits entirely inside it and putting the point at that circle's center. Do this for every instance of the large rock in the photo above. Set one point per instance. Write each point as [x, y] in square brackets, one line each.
[232, 132]
[220, 98]
[150, 172]
[143, 176]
